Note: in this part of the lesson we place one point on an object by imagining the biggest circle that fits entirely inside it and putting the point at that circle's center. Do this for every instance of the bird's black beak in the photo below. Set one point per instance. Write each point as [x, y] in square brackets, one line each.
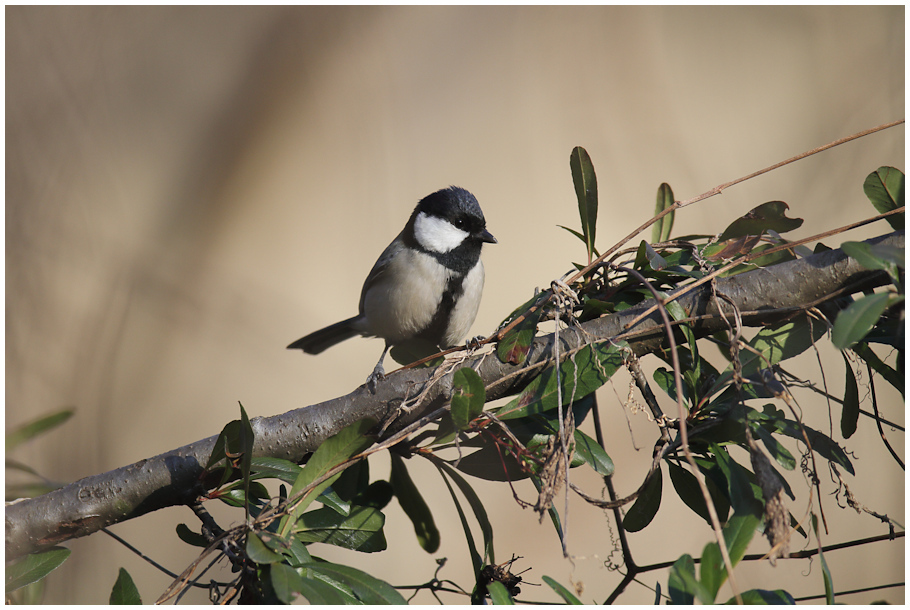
[487, 237]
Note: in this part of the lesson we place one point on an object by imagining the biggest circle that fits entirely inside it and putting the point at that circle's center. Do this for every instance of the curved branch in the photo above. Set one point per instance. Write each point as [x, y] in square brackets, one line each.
[176, 477]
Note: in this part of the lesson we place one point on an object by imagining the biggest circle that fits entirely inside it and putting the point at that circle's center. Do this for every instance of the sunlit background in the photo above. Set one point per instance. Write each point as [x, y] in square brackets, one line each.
[188, 190]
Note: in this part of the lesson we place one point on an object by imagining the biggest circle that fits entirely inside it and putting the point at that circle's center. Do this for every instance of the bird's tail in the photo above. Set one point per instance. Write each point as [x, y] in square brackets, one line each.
[321, 340]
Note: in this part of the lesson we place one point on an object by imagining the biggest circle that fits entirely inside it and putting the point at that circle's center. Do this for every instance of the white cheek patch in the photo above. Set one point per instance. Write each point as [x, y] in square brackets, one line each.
[436, 234]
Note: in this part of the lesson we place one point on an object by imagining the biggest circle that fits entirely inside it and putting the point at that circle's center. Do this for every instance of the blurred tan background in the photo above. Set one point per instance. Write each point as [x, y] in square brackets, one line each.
[190, 189]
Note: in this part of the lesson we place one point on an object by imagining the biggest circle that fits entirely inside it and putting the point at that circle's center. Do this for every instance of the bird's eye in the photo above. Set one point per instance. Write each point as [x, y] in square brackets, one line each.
[461, 223]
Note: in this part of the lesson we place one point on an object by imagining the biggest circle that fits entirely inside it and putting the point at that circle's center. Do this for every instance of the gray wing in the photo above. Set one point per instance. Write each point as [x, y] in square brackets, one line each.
[380, 267]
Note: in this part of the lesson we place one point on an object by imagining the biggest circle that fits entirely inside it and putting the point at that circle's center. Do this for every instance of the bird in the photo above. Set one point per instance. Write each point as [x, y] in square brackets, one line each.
[425, 286]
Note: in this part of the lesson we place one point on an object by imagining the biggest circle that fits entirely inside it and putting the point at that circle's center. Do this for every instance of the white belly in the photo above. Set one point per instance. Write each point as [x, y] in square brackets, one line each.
[398, 314]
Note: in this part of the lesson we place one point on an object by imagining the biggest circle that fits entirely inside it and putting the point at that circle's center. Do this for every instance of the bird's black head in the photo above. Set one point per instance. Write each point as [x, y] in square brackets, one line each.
[460, 208]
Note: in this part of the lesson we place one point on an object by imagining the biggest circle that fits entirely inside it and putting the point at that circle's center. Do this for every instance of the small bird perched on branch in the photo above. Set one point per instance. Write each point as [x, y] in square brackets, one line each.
[426, 285]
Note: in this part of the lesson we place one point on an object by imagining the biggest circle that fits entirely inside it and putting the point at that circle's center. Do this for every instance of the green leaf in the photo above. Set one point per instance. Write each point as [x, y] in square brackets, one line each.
[642, 512]
[564, 593]
[593, 365]
[329, 498]
[360, 531]
[235, 494]
[593, 454]
[780, 342]
[762, 597]
[688, 490]
[767, 216]
[124, 591]
[258, 552]
[742, 496]
[366, 588]
[36, 427]
[574, 232]
[274, 468]
[885, 189]
[586, 191]
[660, 231]
[34, 567]
[892, 376]
[711, 571]
[826, 573]
[479, 512]
[681, 583]
[876, 256]
[513, 348]
[414, 506]
[499, 595]
[850, 415]
[855, 322]
[349, 441]
[296, 553]
[738, 533]
[821, 444]
[775, 448]
[245, 448]
[288, 584]
[468, 397]
[191, 537]
[655, 261]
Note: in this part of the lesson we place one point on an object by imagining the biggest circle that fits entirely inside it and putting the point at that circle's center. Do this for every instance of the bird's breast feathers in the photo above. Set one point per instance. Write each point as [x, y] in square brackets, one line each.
[398, 310]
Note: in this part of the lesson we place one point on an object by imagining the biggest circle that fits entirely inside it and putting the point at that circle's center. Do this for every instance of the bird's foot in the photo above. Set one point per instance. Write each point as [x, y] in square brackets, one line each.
[473, 344]
[375, 377]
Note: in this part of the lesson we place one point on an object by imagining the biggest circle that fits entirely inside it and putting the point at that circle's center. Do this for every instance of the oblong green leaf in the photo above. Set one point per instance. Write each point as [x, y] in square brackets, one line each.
[875, 256]
[366, 588]
[287, 583]
[591, 367]
[414, 506]
[645, 508]
[513, 348]
[890, 375]
[740, 490]
[34, 567]
[348, 442]
[686, 486]
[564, 593]
[499, 595]
[855, 322]
[257, 550]
[767, 216]
[660, 232]
[850, 414]
[586, 191]
[821, 444]
[593, 454]
[752, 597]
[468, 397]
[191, 537]
[775, 448]
[711, 571]
[274, 468]
[681, 583]
[124, 591]
[359, 531]
[780, 342]
[885, 189]
[38, 426]
[738, 533]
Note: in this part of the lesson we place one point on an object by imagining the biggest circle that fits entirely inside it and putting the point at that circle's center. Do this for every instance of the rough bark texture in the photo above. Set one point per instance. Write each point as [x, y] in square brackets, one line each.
[173, 478]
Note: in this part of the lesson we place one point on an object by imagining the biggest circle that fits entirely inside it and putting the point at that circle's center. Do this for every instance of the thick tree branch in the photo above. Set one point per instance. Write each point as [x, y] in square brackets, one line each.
[173, 478]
